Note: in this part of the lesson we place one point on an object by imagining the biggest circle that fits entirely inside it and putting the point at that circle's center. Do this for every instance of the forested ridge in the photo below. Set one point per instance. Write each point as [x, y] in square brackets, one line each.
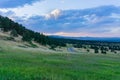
[16, 29]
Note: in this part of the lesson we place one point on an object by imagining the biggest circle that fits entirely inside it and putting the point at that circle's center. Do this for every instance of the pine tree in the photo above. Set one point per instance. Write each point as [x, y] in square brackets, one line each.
[14, 33]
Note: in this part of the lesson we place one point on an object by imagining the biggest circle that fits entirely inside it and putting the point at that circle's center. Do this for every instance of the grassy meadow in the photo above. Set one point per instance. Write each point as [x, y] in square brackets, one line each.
[22, 64]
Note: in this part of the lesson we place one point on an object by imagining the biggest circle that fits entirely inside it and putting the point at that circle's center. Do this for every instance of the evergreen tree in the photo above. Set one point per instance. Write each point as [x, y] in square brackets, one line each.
[14, 33]
[26, 36]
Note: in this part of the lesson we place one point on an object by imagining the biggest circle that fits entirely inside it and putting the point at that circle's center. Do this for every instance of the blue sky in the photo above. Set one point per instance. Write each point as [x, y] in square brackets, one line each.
[96, 18]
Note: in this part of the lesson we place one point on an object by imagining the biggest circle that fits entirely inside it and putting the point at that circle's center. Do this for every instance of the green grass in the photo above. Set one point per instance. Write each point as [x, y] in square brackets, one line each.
[25, 65]
[20, 64]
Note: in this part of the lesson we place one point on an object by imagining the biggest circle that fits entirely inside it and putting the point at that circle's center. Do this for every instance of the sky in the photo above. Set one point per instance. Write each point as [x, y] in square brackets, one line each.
[77, 18]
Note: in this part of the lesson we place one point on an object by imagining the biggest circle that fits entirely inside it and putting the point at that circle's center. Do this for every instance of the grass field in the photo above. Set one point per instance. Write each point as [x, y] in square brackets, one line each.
[24, 65]
[20, 64]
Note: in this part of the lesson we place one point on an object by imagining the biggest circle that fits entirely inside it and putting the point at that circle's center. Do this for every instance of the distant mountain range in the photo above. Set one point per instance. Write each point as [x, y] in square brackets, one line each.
[108, 39]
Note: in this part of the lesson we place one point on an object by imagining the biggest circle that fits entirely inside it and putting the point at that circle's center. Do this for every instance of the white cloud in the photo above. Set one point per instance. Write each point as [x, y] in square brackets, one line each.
[115, 15]
[54, 14]
[69, 34]
[85, 34]
[114, 29]
[27, 10]
[71, 22]
[92, 19]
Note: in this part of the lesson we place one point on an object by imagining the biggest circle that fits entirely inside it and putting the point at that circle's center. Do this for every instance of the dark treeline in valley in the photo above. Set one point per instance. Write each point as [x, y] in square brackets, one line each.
[98, 46]
[15, 29]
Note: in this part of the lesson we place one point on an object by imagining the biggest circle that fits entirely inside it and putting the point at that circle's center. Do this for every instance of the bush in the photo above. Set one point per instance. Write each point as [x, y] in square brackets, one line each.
[10, 38]
[96, 50]
[103, 52]
[52, 47]
[33, 45]
[88, 50]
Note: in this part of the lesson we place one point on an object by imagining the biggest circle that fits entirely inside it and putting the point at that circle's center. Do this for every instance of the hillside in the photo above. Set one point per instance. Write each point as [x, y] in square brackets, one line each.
[18, 62]
[13, 31]
[29, 55]
[7, 25]
[9, 42]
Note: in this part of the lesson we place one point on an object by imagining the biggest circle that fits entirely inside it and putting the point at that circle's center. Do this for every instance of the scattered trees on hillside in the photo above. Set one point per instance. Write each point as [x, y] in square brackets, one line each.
[16, 29]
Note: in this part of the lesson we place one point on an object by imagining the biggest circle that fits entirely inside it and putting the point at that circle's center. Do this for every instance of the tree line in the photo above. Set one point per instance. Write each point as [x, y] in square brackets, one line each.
[16, 29]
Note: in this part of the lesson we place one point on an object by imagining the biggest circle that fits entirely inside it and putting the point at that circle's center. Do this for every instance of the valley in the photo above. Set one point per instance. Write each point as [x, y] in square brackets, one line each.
[29, 55]
[21, 62]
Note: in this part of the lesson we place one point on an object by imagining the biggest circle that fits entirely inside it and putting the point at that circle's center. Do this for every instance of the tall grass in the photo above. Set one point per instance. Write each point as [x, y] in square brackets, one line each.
[26, 65]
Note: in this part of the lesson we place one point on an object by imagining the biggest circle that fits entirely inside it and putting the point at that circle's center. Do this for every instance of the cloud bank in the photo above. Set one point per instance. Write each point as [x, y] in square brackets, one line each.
[103, 21]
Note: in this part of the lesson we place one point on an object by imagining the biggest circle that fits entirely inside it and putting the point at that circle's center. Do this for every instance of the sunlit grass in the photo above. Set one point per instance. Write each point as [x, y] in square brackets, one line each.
[25, 65]
[21, 64]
